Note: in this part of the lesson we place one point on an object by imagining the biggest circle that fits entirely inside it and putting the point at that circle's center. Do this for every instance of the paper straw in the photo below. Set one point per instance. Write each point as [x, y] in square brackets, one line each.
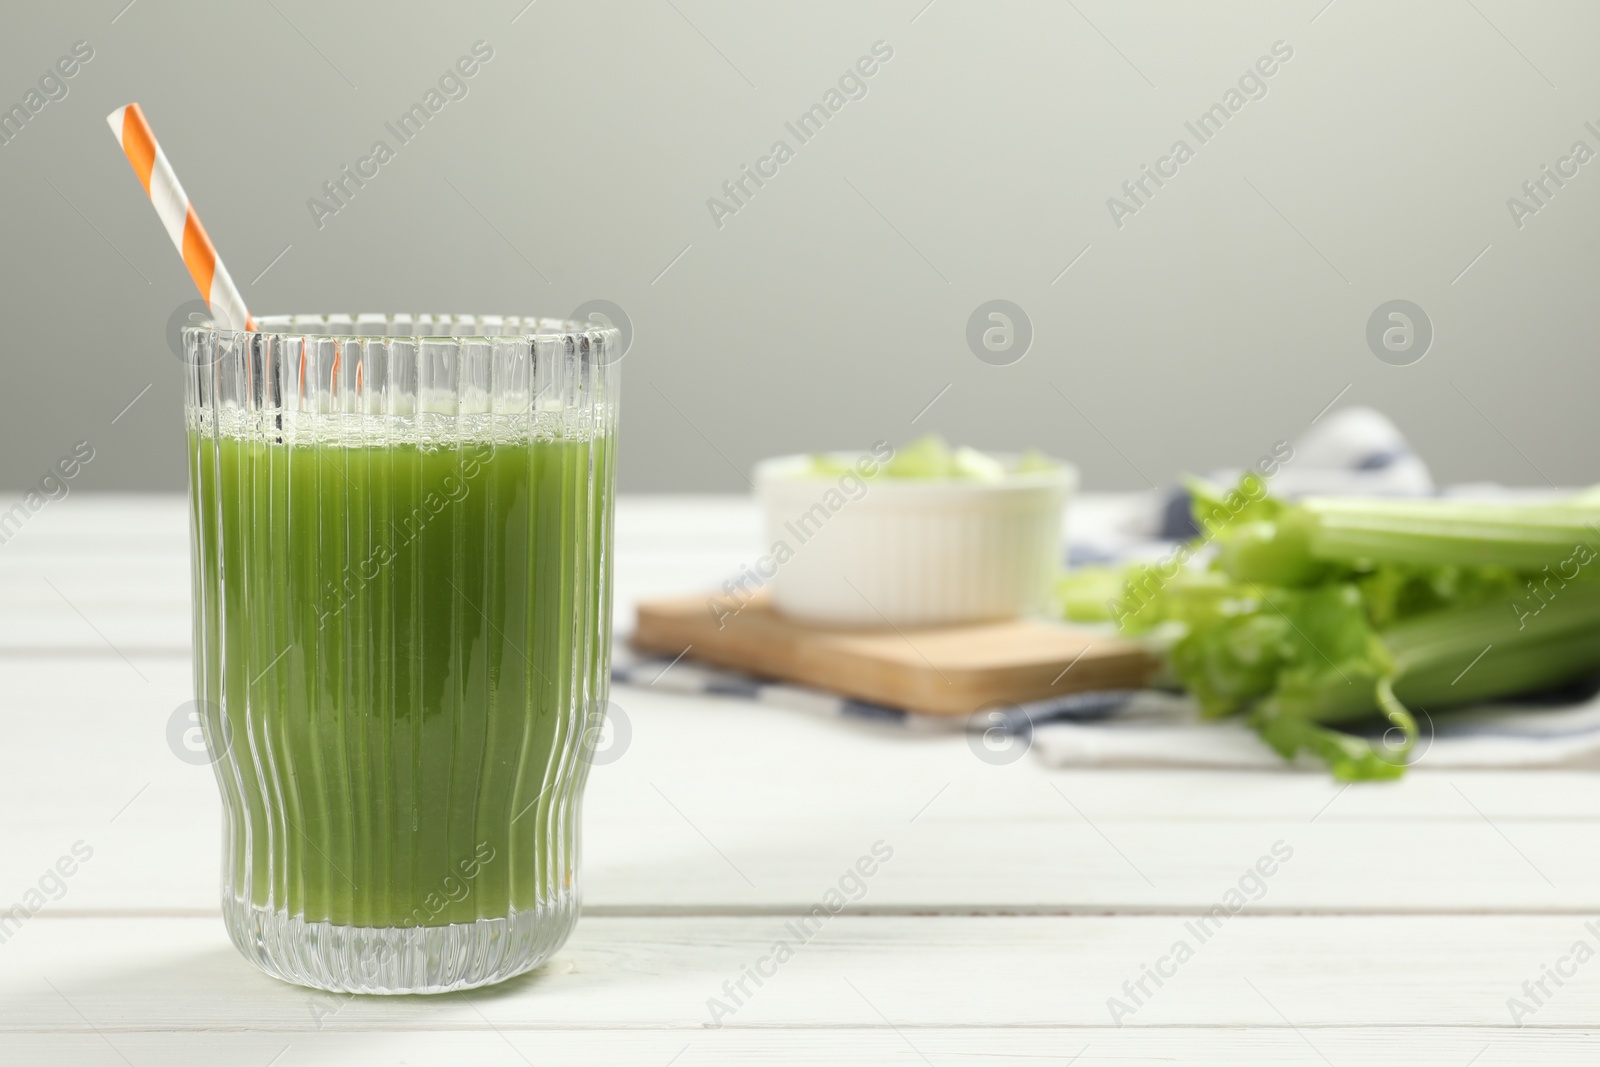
[177, 215]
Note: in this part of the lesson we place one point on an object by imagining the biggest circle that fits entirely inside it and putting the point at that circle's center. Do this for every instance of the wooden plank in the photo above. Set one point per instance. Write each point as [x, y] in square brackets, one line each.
[103, 574]
[158, 523]
[939, 670]
[855, 1046]
[789, 800]
[1308, 972]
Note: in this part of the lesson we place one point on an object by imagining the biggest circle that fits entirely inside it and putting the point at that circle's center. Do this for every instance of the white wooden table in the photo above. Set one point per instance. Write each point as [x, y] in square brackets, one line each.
[1018, 900]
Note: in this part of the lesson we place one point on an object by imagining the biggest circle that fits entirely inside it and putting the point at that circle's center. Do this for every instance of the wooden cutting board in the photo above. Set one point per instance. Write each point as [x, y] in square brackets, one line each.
[944, 670]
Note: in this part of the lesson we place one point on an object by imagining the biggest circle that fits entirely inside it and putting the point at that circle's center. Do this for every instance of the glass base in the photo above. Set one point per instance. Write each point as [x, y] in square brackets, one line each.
[395, 959]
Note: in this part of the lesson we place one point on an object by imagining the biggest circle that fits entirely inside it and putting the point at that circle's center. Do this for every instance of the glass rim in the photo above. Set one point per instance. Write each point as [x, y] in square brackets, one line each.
[349, 328]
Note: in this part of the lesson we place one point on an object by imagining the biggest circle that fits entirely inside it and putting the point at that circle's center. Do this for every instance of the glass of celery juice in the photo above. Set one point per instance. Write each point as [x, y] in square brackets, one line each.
[401, 567]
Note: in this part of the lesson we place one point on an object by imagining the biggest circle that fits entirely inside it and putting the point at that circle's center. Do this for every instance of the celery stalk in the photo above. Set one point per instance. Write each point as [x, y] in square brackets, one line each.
[1449, 658]
[1331, 610]
[1438, 532]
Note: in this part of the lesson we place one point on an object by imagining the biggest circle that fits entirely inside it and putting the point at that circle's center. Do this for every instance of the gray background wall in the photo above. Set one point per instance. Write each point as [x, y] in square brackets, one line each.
[833, 307]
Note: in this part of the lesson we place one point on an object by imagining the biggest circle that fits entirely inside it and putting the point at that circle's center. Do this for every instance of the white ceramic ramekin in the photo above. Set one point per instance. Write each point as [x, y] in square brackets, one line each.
[854, 551]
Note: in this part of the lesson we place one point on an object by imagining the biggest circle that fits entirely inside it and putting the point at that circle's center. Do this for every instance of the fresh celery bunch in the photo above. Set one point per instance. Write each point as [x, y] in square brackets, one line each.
[1331, 611]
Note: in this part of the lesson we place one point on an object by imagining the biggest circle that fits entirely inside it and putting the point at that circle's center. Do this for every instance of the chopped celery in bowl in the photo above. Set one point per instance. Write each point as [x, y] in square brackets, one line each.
[931, 459]
[923, 535]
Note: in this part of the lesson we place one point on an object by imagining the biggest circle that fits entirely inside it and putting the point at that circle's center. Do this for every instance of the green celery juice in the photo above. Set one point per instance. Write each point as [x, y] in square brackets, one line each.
[401, 646]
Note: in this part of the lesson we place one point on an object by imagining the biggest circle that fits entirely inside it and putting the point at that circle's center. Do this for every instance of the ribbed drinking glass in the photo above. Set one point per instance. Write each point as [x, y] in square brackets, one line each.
[401, 534]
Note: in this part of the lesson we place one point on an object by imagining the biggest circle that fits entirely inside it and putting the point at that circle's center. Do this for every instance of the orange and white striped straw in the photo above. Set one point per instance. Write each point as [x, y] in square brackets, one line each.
[177, 215]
